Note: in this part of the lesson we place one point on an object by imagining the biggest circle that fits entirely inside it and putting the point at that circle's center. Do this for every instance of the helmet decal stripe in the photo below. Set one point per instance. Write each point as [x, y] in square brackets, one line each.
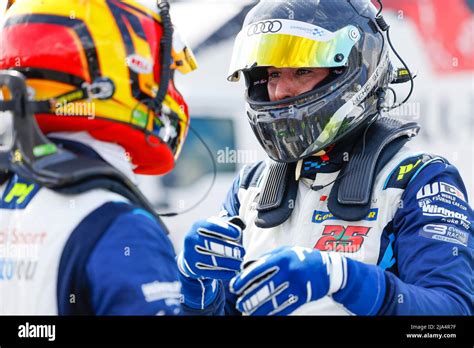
[119, 15]
[53, 75]
[78, 26]
[136, 25]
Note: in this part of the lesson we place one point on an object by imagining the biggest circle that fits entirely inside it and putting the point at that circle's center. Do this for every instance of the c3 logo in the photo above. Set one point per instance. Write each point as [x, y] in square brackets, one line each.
[264, 27]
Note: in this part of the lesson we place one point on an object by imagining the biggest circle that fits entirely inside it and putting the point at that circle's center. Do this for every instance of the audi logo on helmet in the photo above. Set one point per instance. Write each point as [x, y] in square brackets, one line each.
[264, 27]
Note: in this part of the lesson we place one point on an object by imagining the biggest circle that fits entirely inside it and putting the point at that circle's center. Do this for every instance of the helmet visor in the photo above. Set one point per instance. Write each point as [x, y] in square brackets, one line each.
[291, 44]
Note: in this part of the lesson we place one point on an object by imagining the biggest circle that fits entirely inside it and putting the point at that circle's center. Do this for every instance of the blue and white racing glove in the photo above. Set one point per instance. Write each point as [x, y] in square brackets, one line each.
[212, 251]
[281, 281]
[288, 277]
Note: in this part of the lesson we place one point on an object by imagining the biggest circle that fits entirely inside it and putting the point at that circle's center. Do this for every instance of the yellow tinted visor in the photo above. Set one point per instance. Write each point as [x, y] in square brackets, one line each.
[291, 44]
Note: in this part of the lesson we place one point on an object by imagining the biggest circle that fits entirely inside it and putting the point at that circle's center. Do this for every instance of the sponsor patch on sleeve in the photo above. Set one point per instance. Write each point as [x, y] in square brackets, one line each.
[402, 174]
[440, 189]
[445, 233]
[156, 291]
[446, 202]
[451, 214]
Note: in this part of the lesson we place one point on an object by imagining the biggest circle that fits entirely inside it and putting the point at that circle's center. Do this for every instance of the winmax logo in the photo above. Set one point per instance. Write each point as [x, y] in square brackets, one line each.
[434, 210]
[37, 331]
[438, 187]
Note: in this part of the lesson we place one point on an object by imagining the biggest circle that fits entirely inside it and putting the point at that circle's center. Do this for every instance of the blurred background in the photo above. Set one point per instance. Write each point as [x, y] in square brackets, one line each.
[435, 37]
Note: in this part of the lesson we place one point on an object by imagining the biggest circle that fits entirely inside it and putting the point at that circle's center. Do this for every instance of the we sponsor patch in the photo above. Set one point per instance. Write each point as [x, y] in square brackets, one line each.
[438, 188]
[445, 233]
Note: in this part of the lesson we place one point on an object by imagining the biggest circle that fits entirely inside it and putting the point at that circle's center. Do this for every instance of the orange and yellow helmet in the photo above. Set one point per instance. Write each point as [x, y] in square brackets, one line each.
[98, 65]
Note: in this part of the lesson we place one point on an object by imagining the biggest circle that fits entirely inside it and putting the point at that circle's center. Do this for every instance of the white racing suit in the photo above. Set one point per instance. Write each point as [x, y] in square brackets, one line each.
[418, 230]
[87, 253]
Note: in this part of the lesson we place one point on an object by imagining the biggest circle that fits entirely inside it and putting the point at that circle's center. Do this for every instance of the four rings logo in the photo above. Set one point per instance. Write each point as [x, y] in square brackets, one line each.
[264, 27]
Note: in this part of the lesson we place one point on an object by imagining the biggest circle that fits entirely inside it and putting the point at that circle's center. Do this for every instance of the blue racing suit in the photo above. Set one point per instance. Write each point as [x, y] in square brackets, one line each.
[411, 255]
